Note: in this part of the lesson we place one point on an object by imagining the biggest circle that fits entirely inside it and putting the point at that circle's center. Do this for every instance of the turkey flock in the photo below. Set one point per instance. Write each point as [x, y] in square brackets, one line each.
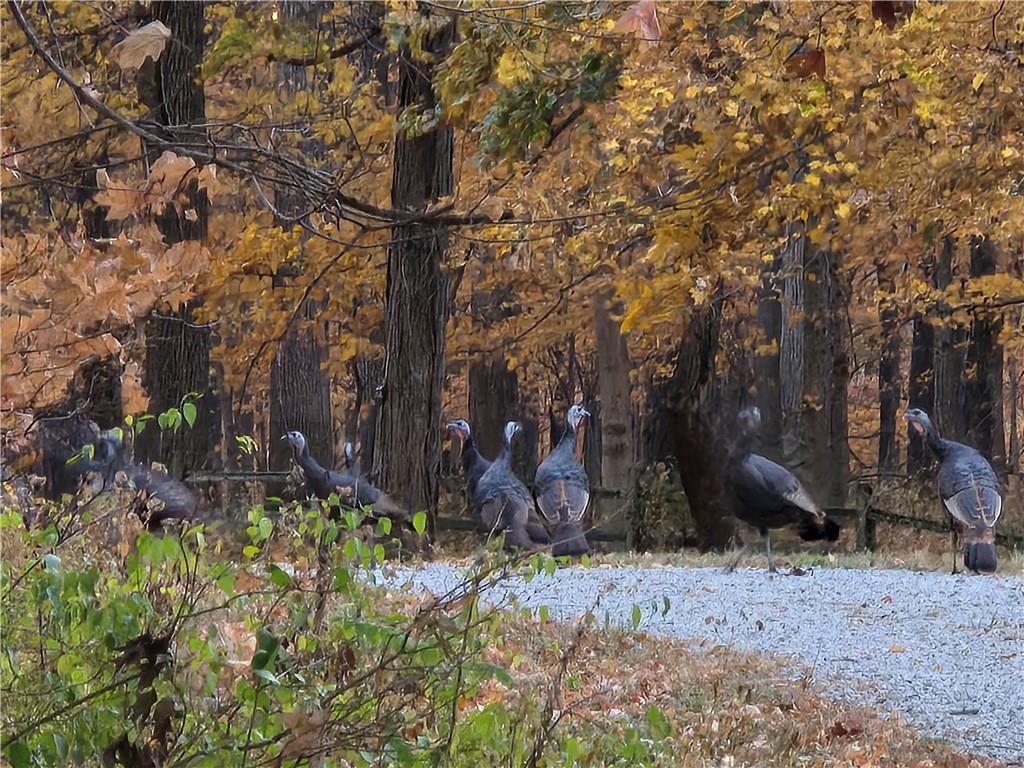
[68, 453]
[552, 515]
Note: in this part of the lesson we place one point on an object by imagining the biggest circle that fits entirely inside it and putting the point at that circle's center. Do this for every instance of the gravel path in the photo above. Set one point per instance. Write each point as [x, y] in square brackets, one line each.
[946, 652]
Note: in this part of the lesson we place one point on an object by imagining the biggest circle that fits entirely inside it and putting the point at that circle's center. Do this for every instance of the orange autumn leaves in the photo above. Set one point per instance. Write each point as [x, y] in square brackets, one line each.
[65, 297]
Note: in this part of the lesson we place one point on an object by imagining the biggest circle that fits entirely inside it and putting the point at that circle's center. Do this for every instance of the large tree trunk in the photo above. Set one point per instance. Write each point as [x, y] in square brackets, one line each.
[921, 387]
[767, 360]
[493, 400]
[826, 463]
[814, 369]
[178, 349]
[300, 393]
[983, 381]
[888, 369]
[618, 443]
[408, 448]
[949, 357]
[690, 411]
[791, 345]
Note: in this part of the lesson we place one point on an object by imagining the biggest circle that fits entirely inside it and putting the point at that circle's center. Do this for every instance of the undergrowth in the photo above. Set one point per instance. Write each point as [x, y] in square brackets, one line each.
[127, 648]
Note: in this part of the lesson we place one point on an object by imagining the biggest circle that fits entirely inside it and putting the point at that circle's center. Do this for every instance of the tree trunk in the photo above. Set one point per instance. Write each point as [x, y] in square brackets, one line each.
[949, 359]
[690, 408]
[493, 400]
[1013, 451]
[177, 349]
[791, 344]
[888, 369]
[814, 368]
[983, 382]
[767, 360]
[407, 453]
[300, 393]
[921, 388]
[825, 461]
[618, 444]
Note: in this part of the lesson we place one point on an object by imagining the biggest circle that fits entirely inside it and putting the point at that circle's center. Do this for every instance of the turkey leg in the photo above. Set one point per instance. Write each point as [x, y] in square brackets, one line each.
[768, 550]
[739, 556]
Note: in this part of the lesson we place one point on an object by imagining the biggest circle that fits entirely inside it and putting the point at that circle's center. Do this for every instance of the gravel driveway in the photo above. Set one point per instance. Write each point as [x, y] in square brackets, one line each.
[946, 652]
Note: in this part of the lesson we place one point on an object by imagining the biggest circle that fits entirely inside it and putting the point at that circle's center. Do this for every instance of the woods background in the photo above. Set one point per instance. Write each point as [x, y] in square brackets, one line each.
[360, 219]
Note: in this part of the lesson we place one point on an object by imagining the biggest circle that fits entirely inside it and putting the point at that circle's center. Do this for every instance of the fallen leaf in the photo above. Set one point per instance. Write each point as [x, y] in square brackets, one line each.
[146, 42]
[640, 19]
[897, 649]
[806, 64]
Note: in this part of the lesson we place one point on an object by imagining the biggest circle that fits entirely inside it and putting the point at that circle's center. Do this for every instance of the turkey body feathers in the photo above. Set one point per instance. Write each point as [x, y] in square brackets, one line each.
[562, 493]
[473, 466]
[970, 492]
[770, 496]
[350, 487]
[162, 497]
[505, 504]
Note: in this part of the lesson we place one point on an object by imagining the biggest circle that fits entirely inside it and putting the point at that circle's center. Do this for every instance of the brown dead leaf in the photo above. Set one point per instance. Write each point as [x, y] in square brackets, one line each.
[121, 200]
[806, 64]
[146, 42]
[165, 178]
[207, 179]
[641, 20]
[898, 649]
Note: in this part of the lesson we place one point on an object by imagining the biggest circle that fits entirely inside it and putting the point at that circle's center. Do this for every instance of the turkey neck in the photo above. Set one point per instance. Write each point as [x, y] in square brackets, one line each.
[741, 448]
[470, 455]
[939, 445]
[308, 463]
[567, 442]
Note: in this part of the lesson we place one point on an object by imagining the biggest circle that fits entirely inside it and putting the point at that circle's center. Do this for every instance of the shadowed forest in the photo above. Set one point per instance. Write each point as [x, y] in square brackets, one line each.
[360, 223]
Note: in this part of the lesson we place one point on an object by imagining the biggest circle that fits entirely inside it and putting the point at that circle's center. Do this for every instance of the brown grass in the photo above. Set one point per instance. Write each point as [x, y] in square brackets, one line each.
[726, 708]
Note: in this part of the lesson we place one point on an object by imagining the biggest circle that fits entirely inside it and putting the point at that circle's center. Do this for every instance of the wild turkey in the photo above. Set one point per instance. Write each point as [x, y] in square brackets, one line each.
[504, 503]
[352, 490]
[473, 464]
[969, 489]
[767, 495]
[49, 449]
[562, 490]
[161, 497]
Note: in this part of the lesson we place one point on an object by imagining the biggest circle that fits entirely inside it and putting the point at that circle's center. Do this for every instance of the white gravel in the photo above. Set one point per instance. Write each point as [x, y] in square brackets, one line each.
[946, 652]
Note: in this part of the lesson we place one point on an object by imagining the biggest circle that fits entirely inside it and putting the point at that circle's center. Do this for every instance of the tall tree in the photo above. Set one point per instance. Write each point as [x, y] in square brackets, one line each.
[178, 347]
[690, 404]
[791, 343]
[826, 376]
[921, 387]
[618, 440]
[300, 394]
[767, 359]
[407, 452]
[949, 349]
[888, 367]
[983, 380]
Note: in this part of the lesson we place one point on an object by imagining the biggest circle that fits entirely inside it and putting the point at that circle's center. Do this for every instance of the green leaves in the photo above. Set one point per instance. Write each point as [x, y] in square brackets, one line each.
[188, 411]
[419, 522]
[267, 647]
[636, 616]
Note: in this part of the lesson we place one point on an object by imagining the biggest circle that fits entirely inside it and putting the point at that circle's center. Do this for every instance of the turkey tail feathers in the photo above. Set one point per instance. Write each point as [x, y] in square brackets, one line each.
[817, 530]
[569, 540]
[980, 557]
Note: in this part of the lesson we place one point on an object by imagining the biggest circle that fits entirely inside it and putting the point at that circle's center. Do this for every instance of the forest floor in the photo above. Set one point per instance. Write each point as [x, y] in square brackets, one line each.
[943, 653]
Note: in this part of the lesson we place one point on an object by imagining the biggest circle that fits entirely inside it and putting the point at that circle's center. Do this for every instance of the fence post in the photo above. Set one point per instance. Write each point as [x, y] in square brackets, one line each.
[865, 522]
